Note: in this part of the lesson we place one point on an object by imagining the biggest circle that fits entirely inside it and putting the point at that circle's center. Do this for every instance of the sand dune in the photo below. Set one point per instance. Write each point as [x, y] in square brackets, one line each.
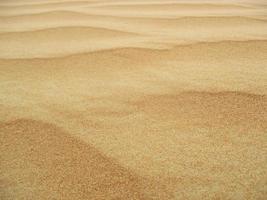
[147, 99]
[63, 167]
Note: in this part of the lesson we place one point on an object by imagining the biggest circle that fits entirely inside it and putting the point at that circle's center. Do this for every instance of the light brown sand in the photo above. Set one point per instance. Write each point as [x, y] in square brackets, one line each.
[147, 99]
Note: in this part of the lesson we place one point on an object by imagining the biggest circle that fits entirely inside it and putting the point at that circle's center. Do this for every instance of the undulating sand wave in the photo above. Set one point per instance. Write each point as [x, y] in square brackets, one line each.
[175, 6]
[51, 42]
[135, 24]
[147, 99]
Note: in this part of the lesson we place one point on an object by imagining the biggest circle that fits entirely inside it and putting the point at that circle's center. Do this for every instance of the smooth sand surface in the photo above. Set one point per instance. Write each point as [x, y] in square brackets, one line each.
[147, 99]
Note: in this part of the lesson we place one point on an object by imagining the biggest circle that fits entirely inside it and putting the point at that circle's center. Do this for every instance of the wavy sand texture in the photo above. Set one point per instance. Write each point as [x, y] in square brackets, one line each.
[147, 99]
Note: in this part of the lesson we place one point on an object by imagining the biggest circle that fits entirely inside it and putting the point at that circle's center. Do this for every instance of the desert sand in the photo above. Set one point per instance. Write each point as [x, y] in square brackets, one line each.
[133, 99]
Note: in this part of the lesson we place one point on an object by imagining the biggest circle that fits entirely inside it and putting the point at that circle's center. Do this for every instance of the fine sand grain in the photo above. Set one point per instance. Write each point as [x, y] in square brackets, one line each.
[146, 99]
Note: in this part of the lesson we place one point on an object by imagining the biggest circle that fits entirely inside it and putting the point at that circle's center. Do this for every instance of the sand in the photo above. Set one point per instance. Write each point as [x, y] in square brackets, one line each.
[147, 99]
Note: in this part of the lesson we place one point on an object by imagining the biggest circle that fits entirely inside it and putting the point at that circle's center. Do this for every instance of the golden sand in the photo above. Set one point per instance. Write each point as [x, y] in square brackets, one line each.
[146, 99]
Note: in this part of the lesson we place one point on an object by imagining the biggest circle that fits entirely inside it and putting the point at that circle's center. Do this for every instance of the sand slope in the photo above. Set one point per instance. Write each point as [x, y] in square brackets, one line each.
[50, 164]
[146, 99]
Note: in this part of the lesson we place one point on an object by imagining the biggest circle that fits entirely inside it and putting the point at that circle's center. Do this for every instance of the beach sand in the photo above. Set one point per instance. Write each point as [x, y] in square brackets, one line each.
[125, 99]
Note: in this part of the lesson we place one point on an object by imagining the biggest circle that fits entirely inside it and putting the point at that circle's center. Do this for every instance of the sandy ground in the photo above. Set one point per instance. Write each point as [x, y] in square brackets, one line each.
[146, 99]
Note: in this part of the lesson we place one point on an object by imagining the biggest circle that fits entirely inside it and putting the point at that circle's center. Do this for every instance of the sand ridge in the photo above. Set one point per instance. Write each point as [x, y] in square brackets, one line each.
[39, 27]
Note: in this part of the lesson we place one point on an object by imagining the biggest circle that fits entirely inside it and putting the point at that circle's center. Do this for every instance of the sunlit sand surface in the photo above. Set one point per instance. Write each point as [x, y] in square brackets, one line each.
[147, 99]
